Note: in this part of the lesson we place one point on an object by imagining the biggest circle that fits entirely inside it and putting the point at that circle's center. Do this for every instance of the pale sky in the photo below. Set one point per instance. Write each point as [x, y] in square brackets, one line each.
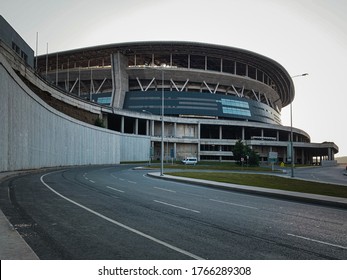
[302, 35]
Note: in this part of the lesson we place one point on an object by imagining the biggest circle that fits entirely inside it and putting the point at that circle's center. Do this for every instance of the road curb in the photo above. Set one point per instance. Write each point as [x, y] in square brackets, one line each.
[12, 244]
[295, 196]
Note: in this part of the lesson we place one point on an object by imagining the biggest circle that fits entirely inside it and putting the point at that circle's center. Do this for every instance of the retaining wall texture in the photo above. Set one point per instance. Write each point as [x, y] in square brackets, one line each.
[34, 135]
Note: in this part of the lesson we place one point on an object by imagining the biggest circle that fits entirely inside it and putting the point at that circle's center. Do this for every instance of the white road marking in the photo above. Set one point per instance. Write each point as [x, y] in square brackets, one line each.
[132, 182]
[164, 189]
[121, 179]
[175, 206]
[114, 189]
[318, 241]
[92, 181]
[184, 252]
[234, 204]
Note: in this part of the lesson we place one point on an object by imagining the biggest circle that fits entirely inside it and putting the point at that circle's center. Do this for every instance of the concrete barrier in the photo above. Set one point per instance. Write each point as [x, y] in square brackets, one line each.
[34, 135]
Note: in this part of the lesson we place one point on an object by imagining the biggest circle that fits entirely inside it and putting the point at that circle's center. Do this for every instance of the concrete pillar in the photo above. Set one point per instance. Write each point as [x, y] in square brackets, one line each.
[199, 129]
[198, 149]
[175, 148]
[136, 126]
[174, 133]
[262, 133]
[243, 133]
[152, 127]
[122, 125]
[147, 128]
[329, 154]
[278, 135]
[120, 79]
[220, 132]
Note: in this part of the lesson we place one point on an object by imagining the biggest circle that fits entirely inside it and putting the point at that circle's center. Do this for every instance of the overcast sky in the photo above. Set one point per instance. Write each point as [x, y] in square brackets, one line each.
[302, 35]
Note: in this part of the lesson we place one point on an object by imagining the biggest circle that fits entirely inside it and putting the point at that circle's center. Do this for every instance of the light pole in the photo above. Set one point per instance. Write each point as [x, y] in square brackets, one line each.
[151, 148]
[291, 129]
[162, 126]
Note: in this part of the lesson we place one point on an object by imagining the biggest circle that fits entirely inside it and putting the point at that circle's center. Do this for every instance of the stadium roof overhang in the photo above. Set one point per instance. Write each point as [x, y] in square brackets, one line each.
[273, 69]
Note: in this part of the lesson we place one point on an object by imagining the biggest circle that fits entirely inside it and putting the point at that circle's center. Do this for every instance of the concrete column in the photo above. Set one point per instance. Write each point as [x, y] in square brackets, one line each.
[175, 148]
[243, 133]
[329, 154]
[152, 127]
[199, 129]
[262, 133]
[278, 136]
[136, 126]
[220, 132]
[120, 79]
[198, 150]
[174, 133]
[122, 125]
[147, 128]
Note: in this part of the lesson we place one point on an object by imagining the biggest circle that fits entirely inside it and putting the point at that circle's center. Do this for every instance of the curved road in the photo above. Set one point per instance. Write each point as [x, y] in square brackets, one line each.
[115, 212]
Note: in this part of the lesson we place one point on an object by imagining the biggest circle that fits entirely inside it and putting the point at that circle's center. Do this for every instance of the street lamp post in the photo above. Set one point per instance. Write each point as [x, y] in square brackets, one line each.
[291, 129]
[149, 133]
[162, 126]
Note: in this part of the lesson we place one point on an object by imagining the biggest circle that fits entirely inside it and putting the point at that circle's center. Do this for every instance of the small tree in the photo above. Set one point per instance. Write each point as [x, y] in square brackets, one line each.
[239, 151]
[253, 159]
[99, 122]
[243, 151]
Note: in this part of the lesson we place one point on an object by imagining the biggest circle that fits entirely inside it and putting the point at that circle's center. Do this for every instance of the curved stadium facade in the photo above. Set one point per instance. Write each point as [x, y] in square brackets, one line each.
[213, 97]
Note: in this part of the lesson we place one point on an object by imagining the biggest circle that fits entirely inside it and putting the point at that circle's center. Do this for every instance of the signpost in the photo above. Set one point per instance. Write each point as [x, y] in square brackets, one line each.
[273, 159]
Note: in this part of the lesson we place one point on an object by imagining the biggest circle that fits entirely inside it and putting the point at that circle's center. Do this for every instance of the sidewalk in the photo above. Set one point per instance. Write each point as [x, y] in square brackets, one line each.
[296, 196]
[12, 245]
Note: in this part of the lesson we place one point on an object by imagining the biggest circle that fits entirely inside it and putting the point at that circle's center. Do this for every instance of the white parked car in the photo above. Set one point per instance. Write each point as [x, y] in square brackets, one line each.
[190, 160]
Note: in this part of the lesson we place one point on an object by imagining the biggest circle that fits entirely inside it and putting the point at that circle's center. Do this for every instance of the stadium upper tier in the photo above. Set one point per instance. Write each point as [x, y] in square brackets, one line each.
[188, 66]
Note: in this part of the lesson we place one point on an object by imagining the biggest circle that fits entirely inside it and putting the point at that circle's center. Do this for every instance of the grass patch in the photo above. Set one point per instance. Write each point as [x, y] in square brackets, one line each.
[268, 181]
[207, 165]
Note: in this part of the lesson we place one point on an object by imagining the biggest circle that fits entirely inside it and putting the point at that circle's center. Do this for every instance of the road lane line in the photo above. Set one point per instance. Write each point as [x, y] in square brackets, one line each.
[114, 189]
[318, 241]
[132, 182]
[92, 181]
[184, 252]
[175, 206]
[164, 189]
[234, 204]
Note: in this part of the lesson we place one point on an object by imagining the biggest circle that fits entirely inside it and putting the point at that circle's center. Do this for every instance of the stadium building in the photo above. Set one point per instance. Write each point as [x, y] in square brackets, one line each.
[211, 96]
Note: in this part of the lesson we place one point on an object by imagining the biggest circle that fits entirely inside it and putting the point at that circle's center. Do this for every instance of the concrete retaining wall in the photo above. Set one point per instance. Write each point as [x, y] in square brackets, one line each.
[34, 135]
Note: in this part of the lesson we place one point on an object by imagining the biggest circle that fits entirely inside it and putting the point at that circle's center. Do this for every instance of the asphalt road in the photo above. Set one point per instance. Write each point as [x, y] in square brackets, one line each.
[120, 213]
[333, 174]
